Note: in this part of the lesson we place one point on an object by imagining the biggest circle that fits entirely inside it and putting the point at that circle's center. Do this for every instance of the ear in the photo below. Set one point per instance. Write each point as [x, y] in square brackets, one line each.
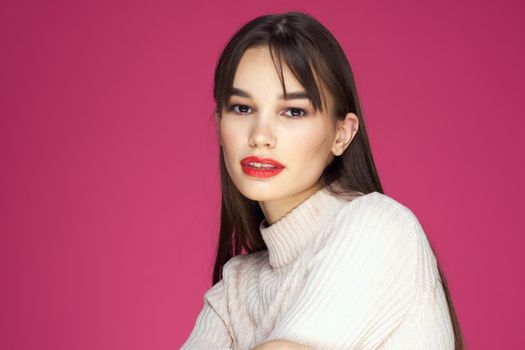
[346, 131]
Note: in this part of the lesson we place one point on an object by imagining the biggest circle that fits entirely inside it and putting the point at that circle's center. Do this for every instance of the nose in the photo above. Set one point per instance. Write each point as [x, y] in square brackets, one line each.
[261, 134]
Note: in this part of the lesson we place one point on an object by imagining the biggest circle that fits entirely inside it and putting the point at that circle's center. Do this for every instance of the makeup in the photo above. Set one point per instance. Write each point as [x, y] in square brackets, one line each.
[261, 167]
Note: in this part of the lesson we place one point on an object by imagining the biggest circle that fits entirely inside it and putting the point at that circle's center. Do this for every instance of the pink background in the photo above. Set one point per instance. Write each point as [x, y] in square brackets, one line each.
[109, 186]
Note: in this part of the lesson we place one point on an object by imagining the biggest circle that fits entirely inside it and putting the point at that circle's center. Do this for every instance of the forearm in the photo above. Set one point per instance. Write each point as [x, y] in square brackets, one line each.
[281, 344]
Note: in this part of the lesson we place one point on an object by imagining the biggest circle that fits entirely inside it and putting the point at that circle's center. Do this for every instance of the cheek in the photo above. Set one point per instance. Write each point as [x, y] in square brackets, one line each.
[230, 136]
[312, 144]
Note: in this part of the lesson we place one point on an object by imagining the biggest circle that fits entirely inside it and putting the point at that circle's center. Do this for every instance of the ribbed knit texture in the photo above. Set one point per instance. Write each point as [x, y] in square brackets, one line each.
[338, 274]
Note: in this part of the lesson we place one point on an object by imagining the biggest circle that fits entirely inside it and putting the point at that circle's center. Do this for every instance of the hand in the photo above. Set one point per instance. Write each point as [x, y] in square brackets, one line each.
[281, 344]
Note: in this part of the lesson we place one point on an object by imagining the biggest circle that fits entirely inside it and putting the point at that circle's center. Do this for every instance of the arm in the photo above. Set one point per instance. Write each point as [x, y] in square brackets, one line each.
[433, 324]
[211, 330]
[281, 344]
[428, 326]
[362, 283]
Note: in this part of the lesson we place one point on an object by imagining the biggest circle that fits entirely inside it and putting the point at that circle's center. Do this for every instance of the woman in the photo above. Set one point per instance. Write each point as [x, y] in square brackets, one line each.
[330, 261]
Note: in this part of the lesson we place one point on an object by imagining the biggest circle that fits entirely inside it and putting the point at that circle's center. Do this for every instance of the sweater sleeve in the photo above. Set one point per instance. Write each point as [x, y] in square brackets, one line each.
[428, 326]
[362, 282]
[432, 324]
[210, 330]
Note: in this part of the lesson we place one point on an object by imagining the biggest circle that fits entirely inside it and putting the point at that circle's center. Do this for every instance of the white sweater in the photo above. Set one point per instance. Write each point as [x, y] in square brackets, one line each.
[337, 274]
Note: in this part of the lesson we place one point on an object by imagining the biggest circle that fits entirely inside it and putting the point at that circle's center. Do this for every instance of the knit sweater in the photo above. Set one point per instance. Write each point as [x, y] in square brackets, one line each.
[338, 274]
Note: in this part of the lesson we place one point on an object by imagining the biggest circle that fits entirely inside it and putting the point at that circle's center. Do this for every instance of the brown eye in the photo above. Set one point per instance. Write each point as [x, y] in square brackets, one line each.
[241, 109]
[296, 113]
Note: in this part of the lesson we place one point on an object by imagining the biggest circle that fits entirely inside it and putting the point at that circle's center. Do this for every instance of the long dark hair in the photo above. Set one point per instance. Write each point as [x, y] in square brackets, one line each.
[312, 53]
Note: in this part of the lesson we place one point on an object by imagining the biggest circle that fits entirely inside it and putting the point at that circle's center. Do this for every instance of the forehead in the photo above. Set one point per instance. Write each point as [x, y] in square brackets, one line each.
[257, 74]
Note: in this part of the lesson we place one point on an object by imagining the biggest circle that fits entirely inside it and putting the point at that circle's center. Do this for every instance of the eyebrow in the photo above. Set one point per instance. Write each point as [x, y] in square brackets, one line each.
[296, 95]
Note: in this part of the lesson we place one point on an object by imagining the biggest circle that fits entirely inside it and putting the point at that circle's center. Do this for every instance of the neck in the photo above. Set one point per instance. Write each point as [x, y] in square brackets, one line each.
[278, 208]
[290, 235]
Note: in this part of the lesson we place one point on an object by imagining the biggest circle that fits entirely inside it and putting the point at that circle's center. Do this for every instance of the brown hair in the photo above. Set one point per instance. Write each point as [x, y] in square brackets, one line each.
[310, 51]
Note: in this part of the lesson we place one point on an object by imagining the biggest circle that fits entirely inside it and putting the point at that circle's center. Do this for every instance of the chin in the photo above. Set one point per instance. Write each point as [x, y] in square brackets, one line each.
[258, 191]
[256, 194]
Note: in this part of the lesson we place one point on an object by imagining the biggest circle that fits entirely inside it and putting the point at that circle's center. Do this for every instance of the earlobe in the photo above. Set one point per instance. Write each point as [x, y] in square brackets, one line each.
[347, 130]
[338, 147]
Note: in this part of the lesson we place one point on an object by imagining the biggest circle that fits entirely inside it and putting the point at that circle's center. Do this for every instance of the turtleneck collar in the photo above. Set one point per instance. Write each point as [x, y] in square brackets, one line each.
[290, 235]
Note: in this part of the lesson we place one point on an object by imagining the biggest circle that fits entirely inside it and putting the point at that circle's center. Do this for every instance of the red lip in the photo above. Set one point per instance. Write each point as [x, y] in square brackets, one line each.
[270, 161]
[262, 172]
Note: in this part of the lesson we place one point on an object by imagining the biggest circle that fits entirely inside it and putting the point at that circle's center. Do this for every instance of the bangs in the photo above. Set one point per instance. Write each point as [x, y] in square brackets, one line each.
[304, 65]
[302, 59]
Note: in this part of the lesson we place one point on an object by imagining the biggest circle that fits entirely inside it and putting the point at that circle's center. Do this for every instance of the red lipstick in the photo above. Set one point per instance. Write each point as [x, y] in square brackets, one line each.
[261, 167]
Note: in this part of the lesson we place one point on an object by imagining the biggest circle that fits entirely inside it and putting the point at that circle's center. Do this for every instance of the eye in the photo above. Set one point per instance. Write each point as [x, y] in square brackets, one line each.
[244, 109]
[240, 110]
[296, 111]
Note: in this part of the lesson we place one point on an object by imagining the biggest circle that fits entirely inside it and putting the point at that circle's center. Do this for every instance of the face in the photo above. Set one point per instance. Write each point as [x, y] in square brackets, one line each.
[259, 122]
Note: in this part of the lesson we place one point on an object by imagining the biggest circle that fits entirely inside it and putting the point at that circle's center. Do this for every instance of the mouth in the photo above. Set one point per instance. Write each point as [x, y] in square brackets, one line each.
[261, 167]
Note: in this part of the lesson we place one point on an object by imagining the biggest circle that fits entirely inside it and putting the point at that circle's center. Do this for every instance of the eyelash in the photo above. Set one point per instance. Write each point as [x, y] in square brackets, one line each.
[232, 107]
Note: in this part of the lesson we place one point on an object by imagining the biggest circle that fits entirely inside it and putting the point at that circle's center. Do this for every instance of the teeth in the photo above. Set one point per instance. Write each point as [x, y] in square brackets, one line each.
[260, 165]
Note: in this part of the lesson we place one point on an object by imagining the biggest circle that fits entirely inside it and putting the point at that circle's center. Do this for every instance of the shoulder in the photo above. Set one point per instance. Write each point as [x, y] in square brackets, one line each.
[378, 222]
[233, 270]
[245, 263]
[379, 204]
[377, 210]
